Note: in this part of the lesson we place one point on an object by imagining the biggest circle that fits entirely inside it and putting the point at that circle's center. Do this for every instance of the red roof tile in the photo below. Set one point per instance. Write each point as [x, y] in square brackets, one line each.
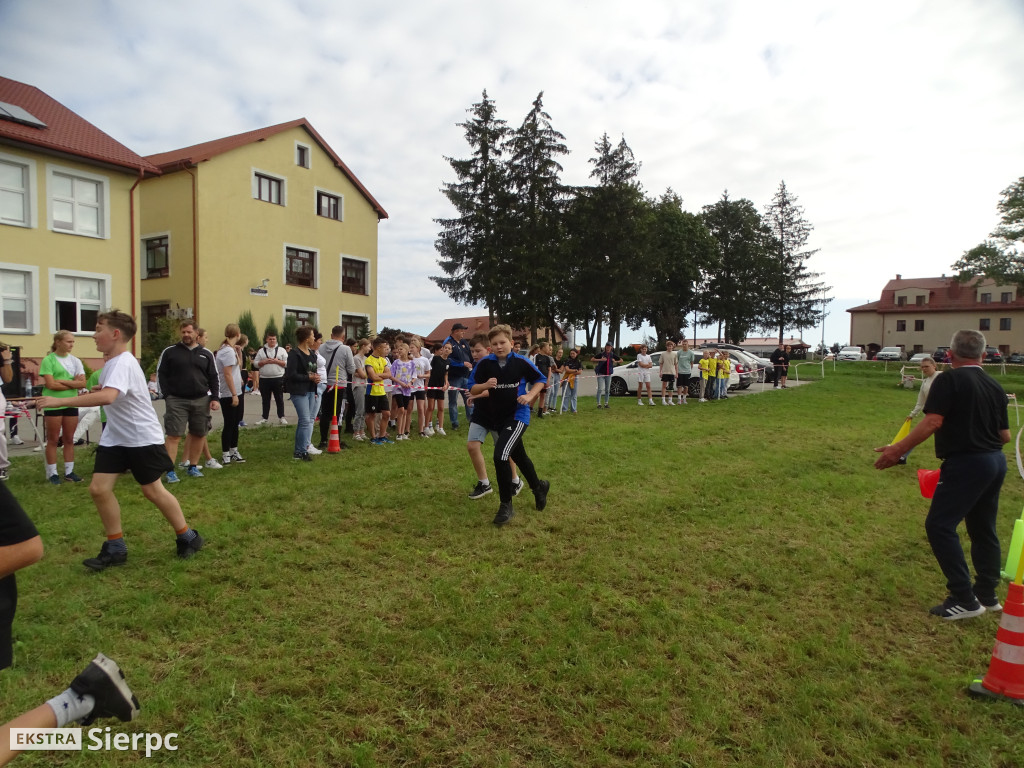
[65, 131]
[476, 324]
[945, 294]
[198, 153]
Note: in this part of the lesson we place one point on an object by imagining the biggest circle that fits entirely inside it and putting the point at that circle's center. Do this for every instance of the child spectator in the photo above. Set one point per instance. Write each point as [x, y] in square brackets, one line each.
[63, 375]
[421, 373]
[378, 371]
[403, 372]
[667, 364]
[506, 410]
[437, 385]
[708, 369]
[644, 365]
[722, 371]
[605, 363]
[573, 367]
[132, 440]
[543, 362]
[362, 348]
[554, 379]
[684, 364]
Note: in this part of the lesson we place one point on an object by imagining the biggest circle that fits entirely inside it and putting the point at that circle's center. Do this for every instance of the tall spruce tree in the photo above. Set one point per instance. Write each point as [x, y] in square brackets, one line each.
[793, 295]
[471, 248]
[539, 201]
[733, 296]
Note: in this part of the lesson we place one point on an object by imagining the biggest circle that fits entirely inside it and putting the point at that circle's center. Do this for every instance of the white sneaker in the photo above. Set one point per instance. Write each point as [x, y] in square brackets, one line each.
[183, 464]
[313, 450]
[283, 421]
[212, 463]
[440, 431]
[262, 423]
[17, 441]
[236, 457]
[226, 457]
[702, 400]
[639, 402]
[429, 431]
[359, 436]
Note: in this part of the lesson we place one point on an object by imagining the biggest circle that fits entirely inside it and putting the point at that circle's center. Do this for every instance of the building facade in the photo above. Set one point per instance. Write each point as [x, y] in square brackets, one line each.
[921, 314]
[270, 221]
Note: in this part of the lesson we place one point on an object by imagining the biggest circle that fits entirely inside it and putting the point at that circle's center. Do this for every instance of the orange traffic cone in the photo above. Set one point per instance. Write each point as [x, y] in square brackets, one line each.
[1005, 678]
[334, 441]
[928, 479]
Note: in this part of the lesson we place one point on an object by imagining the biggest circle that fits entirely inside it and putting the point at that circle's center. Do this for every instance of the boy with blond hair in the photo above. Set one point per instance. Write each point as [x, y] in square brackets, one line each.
[505, 376]
[478, 433]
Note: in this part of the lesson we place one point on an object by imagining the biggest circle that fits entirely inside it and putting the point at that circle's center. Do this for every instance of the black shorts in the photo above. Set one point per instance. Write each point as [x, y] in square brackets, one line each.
[400, 401]
[377, 404]
[668, 378]
[420, 395]
[147, 463]
[683, 381]
[61, 412]
[435, 394]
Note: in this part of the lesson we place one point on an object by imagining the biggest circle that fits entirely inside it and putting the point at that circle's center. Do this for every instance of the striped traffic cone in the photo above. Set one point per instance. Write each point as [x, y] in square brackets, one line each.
[334, 439]
[1005, 678]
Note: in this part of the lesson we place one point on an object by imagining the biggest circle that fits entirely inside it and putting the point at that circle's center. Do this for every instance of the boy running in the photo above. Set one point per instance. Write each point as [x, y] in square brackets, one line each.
[478, 433]
[132, 440]
[506, 410]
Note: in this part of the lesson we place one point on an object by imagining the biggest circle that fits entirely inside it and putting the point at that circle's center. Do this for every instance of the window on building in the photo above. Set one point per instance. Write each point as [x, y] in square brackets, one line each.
[354, 278]
[918, 348]
[151, 314]
[986, 298]
[901, 301]
[76, 204]
[15, 198]
[156, 257]
[901, 325]
[354, 325]
[302, 155]
[328, 205]
[268, 189]
[919, 300]
[300, 267]
[983, 324]
[302, 316]
[77, 302]
[1006, 297]
[15, 300]
[919, 325]
[1004, 324]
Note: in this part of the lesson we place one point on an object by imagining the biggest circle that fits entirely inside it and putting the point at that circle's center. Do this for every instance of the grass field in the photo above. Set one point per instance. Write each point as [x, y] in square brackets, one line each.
[725, 584]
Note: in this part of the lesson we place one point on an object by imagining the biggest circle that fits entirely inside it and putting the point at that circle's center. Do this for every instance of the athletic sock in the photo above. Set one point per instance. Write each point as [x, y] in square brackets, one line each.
[116, 543]
[486, 483]
[51, 470]
[69, 707]
[69, 467]
[186, 534]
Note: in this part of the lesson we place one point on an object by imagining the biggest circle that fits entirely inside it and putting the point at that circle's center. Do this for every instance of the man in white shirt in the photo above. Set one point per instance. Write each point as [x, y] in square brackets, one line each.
[271, 360]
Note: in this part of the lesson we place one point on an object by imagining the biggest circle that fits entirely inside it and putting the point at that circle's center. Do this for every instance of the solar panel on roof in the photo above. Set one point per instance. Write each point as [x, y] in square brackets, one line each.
[16, 114]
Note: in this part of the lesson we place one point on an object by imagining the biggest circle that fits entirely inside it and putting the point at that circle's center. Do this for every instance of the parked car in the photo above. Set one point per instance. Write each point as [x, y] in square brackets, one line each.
[625, 378]
[852, 353]
[940, 353]
[889, 353]
[919, 357]
[761, 366]
[1015, 359]
[993, 355]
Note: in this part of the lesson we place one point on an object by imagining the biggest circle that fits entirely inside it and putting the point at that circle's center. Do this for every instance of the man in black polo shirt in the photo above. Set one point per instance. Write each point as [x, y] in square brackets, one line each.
[502, 377]
[460, 363]
[966, 411]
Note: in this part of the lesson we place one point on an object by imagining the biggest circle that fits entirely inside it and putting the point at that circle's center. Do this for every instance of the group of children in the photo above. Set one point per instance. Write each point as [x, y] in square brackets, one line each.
[675, 367]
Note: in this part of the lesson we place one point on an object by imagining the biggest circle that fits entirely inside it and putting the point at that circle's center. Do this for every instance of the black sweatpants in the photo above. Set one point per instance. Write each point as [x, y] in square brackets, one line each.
[273, 387]
[328, 412]
[509, 445]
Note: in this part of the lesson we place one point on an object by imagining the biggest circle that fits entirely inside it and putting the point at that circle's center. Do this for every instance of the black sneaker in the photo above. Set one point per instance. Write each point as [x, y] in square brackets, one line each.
[302, 456]
[188, 548]
[104, 681]
[505, 513]
[106, 558]
[540, 494]
[480, 491]
[322, 445]
[952, 610]
[71, 477]
[518, 486]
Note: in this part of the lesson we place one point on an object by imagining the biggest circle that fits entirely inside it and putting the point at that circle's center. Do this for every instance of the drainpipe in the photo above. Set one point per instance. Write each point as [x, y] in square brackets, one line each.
[195, 245]
[131, 229]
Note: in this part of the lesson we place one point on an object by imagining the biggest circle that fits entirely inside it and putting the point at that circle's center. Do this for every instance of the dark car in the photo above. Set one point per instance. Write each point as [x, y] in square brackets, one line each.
[1015, 359]
[940, 353]
[993, 355]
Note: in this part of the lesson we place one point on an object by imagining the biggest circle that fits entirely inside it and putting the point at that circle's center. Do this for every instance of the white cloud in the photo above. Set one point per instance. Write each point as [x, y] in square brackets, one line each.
[895, 124]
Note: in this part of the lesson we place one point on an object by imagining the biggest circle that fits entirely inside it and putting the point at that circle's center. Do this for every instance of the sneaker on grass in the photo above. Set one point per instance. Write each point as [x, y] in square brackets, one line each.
[540, 494]
[236, 457]
[172, 477]
[480, 491]
[505, 513]
[518, 486]
[71, 477]
[104, 681]
[952, 610]
[107, 557]
[188, 548]
[193, 471]
[54, 480]
[991, 604]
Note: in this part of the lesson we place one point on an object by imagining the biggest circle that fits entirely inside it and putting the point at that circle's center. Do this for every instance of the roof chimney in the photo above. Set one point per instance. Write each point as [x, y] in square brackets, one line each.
[899, 276]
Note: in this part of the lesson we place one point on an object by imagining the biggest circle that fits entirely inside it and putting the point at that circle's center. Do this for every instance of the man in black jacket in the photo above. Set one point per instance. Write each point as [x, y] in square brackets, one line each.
[187, 375]
[460, 363]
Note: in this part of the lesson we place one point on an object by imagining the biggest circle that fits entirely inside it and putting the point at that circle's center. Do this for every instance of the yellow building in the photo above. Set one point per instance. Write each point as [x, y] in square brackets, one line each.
[69, 222]
[271, 221]
[922, 314]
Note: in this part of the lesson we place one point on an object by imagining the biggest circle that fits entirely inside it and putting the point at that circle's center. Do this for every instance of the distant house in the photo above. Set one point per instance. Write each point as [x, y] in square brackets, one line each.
[920, 314]
[69, 223]
[270, 220]
[481, 324]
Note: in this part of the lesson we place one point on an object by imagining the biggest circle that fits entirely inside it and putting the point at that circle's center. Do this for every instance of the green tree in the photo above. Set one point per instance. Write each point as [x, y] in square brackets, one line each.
[472, 255]
[538, 201]
[168, 332]
[248, 327]
[1000, 257]
[271, 330]
[793, 295]
[287, 336]
[733, 294]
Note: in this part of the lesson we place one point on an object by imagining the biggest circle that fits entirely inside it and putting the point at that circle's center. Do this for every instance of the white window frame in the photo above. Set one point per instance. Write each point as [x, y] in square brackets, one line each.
[256, 172]
[295, 307]
[104, 200]
[105, 285]
[316, 266]
[32, 312]
[341, 274]
[143, 269]
[317, 191]
[309, 155]
[341, 319]
[32, 219]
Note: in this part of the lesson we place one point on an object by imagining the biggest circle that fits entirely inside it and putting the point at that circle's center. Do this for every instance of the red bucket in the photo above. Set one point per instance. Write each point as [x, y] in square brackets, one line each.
[928, 479]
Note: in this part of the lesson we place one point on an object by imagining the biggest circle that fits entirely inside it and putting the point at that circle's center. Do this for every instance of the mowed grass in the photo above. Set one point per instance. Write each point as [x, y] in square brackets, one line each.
[725, 584]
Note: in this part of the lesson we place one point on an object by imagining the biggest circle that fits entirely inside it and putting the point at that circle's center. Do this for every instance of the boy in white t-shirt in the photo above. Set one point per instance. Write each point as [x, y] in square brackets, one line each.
[133, 440]
[644, 364]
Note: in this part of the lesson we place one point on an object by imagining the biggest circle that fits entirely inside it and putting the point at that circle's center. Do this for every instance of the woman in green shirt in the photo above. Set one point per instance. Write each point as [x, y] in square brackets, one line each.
[63, 375]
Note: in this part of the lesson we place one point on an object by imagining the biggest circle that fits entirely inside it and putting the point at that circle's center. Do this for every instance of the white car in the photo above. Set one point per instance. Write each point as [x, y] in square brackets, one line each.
[852, 353]
[890, 353]
[625, 377]
[919, 357]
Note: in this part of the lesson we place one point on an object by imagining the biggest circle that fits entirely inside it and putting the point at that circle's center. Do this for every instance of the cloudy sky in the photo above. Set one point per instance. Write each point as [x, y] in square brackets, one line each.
[896, 124]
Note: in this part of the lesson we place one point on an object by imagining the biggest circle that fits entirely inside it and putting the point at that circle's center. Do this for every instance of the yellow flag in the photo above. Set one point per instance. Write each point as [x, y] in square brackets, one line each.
[904, 431]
